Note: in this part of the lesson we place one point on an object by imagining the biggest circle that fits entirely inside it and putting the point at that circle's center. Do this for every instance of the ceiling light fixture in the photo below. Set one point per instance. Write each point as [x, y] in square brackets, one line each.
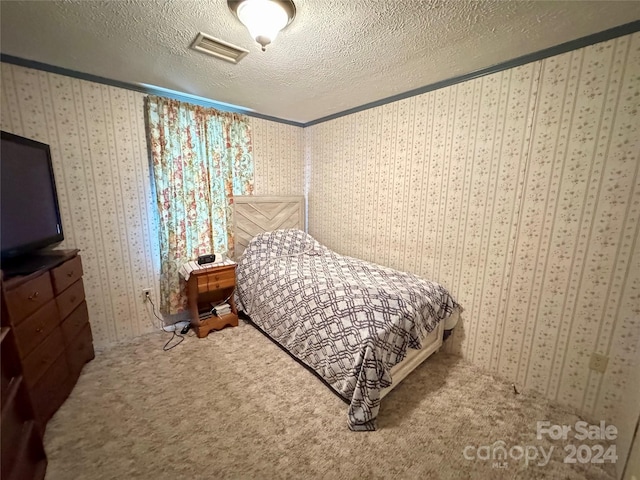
[263, 18]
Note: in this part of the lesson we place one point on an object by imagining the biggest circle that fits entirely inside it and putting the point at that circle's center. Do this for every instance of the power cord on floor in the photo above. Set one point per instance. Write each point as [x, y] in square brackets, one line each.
[166, 347]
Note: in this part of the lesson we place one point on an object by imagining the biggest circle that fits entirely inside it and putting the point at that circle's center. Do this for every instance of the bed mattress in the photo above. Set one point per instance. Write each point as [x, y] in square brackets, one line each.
[414, 358]
[349, 320]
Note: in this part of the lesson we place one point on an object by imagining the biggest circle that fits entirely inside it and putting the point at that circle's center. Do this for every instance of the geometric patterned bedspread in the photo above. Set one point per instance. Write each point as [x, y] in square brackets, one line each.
[347, 319]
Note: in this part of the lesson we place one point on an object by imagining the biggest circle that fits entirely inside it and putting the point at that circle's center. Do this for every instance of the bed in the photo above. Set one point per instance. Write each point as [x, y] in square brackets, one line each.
[360, 327]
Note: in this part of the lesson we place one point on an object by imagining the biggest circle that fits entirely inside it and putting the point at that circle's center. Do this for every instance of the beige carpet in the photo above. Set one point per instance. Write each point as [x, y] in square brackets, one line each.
[235, 406]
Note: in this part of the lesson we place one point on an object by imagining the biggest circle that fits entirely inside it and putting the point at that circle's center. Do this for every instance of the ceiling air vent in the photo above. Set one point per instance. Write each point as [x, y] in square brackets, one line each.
[213, 46]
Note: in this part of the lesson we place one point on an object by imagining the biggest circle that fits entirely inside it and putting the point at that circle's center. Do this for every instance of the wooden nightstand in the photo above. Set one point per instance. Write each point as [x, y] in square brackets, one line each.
[211, 285]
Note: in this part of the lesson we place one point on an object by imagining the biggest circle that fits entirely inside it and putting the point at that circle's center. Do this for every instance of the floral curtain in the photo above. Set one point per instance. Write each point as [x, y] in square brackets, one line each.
[201, 158]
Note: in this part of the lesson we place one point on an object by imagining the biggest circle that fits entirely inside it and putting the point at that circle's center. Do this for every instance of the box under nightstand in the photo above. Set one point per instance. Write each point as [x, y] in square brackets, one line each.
[206, 287]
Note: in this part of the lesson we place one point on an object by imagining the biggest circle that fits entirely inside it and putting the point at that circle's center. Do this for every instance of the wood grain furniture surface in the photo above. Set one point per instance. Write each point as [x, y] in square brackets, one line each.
[207, 287]
[47, 314]
[22, 455]
[254, 214]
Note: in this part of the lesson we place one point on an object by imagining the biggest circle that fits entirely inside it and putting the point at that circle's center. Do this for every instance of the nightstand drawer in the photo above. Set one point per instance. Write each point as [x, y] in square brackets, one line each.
[28, 297]
[215, 282]
[66, 274]
[221, 275]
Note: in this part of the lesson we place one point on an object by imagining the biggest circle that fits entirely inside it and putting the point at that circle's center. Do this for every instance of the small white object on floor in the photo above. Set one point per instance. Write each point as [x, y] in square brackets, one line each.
[176, 327]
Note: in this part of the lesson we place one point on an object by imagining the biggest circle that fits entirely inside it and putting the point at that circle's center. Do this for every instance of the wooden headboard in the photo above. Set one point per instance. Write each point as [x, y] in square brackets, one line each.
[254, 214]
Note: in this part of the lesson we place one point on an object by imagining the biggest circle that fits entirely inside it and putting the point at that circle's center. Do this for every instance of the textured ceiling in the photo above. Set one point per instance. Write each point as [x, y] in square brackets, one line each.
[335, 55]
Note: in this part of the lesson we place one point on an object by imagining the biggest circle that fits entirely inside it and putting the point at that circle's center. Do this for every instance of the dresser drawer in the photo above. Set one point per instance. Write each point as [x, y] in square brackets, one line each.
[14, 417]
[31, 461]
[66, 274]
[51, 390]
[35, 365]
[80, 351]
[26, 298]
[9, 365]
[30, 333]
[69, 299]
[74, 323]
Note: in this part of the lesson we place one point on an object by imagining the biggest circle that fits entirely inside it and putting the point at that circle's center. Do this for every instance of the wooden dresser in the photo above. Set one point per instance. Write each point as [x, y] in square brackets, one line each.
[23, 455]
[47, 314]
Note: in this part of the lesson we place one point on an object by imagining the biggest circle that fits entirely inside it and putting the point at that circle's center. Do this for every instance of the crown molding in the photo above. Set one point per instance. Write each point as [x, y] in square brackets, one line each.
[582, 42]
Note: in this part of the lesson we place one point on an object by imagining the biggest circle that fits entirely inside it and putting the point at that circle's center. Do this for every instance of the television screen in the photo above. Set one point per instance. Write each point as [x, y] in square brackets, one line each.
[29, 213]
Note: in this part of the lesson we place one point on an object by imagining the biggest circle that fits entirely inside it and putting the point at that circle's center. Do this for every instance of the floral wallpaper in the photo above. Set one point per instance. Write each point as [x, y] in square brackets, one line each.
[519, 191]
[101, 163]
[278, 156]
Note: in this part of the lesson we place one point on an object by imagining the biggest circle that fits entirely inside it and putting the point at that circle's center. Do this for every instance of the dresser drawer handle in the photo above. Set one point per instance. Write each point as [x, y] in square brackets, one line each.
[39, 329]
[70, 274]
[34, 295]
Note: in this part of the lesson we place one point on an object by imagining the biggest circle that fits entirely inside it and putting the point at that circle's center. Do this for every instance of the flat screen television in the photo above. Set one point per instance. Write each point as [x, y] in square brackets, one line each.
[29, 212]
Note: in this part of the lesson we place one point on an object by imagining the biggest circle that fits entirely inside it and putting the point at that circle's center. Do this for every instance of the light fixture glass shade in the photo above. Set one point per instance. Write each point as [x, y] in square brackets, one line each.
[263, 18]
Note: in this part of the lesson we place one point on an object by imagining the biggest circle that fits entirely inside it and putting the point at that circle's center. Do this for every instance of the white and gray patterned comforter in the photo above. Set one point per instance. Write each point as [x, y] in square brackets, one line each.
[347, 319]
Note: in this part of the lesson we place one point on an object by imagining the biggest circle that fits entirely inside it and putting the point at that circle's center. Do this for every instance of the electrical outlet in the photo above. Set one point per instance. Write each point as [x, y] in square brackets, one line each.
[146, 294]
[598, 362]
